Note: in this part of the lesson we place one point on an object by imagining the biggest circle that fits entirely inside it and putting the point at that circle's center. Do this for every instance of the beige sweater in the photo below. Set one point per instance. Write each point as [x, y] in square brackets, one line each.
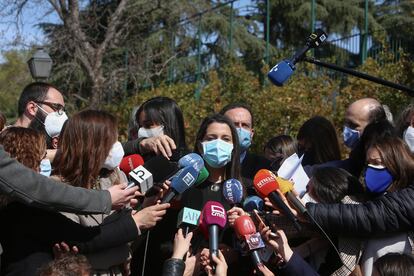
[103, 260]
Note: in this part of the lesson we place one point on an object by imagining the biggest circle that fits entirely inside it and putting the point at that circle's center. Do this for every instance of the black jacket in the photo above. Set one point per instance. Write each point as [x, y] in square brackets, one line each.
[392, 212]
[173, 267]
[28, 235]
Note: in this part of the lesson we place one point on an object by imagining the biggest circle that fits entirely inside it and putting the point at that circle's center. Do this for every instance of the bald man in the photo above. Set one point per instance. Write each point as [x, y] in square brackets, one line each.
[358, 115]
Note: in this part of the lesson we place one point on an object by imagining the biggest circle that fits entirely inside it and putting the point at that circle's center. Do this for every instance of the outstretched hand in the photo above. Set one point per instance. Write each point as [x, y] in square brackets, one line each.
[120, 196]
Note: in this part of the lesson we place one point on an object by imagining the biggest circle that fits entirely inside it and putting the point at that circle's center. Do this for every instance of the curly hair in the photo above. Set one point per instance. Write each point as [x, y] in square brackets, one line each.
[69, 265]
[27, 145]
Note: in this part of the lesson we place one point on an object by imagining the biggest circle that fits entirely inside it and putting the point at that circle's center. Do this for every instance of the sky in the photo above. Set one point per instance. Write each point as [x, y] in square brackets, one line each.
[38, 11]
[31, 34]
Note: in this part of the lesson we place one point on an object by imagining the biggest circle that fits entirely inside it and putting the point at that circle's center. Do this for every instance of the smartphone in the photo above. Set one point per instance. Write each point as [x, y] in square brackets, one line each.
[258, 220]
[261, 224]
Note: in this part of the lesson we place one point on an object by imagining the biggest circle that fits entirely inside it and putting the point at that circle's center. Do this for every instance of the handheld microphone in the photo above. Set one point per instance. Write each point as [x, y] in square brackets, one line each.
[130, 162]
[251, 239]
[213, 217]
[233, 191]
[282, 71]
[191, 159]
[188, 219]
[155, 170]
[253, 203]
[286, 188]
[266, 185]
[180, 182]
[202, 176]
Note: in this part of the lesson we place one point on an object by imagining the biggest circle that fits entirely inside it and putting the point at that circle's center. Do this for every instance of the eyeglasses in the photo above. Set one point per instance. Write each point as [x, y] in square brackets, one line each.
[60, 109]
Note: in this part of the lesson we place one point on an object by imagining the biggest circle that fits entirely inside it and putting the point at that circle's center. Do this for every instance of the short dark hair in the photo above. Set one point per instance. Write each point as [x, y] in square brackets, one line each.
[237, 105]
[393, 264]
[330, 184]
[35, 91]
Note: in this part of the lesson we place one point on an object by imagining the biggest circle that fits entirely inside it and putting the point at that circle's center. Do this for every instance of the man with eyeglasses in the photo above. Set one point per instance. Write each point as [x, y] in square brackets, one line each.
[41, 107]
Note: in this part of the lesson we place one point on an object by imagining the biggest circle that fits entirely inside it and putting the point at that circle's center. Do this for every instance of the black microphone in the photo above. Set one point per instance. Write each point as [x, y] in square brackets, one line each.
[282, 71]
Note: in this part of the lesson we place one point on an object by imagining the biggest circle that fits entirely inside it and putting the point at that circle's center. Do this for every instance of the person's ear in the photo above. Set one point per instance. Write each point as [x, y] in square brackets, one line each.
[251, 133]
[55, 141]
[31, 109]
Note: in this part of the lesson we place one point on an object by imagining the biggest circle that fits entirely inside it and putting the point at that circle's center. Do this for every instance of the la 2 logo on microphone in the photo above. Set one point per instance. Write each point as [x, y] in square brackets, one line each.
[217, 211]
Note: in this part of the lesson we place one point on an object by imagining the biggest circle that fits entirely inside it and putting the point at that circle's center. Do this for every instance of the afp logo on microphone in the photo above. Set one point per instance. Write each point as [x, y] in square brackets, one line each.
[217, 211]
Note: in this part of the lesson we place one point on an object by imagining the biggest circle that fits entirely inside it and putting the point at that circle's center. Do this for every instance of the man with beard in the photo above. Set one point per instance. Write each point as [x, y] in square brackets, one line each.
[41, 107]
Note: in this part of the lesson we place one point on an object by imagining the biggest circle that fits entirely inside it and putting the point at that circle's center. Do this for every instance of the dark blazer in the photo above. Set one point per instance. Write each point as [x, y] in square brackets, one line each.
[28, 235]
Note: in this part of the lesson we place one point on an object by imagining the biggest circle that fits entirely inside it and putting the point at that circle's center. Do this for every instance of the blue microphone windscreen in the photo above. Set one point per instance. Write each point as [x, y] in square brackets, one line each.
[191, 159]
[281, 72]
[184, 179]
[233, 191]
[253, 203]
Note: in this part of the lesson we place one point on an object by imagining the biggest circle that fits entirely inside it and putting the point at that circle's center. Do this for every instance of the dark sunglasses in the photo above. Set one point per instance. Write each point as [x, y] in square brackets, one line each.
[55, 106]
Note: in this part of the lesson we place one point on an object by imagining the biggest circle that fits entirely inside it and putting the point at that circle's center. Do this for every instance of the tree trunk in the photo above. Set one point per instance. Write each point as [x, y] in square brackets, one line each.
[97, 81]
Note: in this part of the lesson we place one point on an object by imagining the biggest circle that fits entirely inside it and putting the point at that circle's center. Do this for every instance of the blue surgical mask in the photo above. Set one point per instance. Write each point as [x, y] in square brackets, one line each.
[244, 138]
[377, 178]
[351, 137]
[45, 167]
[217, 153]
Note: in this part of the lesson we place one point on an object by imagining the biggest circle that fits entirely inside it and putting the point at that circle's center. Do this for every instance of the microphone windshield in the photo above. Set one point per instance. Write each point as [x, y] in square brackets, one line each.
[253, 203]
[191, 159]
[244, 225]
[281, 72]
[202, 176]
[184, 179]
[130, 162]
[161, 168]
[284, 185]
[233, 191]
[265, 182]
[214, 214]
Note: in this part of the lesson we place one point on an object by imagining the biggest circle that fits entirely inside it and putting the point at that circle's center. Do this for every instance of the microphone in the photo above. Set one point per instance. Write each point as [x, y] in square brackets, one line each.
[188, 219]
[233, 191]
[253, 203]
[286, 188]
[155, 170]
[280, 73]
[202, 176]
[180, 182]
[251, 239]
[130, 162]
[266, 185]
[191, 159]
[213, 217]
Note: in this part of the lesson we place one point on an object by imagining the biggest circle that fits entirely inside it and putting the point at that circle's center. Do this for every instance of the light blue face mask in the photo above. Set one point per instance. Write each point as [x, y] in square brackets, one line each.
[45, 167]
[244, 138]
[217, 153]
[351, 137]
